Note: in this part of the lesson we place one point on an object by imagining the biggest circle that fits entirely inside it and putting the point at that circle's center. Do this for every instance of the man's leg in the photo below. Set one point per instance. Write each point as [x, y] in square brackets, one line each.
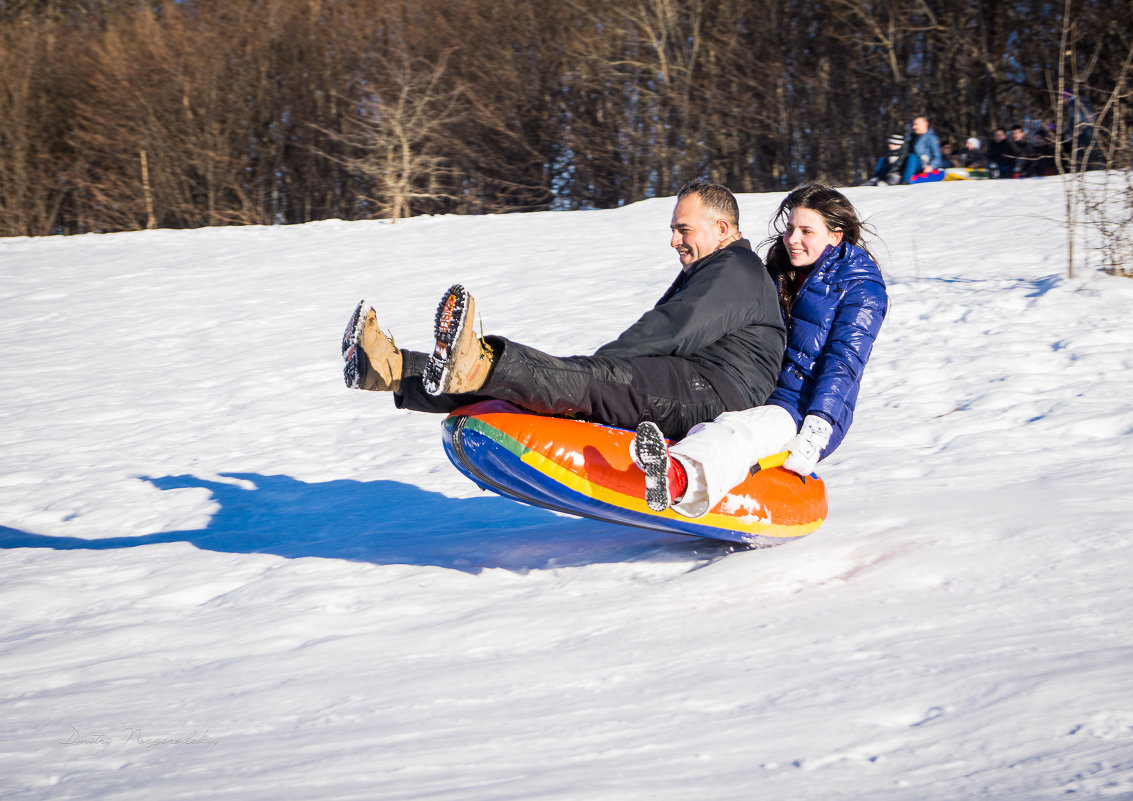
[411, 393]
[619, 392]
[912, 166]
[375, 363]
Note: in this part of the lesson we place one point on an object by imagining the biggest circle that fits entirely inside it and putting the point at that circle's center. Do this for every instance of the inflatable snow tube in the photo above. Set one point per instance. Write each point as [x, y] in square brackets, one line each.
[927, 177]
[585, 469]
[966, 174]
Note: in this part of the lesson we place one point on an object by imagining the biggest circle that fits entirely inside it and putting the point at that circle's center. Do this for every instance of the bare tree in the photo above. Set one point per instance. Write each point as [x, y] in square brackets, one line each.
[120, 114]
[36, 160]
[396, 137]
[1097, 201]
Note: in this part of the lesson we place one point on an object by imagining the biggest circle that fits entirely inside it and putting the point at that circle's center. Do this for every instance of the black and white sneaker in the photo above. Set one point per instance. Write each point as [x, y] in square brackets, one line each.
[448, 329]
[651, 453]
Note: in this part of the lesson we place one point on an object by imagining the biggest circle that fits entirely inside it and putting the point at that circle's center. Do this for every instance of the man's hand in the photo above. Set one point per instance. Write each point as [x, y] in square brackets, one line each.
[807, 445]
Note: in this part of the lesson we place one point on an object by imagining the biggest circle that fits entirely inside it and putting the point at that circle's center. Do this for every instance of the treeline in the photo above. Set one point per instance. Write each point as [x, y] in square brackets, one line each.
[119, 114]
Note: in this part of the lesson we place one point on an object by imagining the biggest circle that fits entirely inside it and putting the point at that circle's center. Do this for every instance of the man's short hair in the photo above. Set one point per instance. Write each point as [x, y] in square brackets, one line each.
[716, 199]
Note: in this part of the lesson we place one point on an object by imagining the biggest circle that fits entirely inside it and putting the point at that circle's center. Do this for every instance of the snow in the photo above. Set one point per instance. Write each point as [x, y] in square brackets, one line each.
[227, 576]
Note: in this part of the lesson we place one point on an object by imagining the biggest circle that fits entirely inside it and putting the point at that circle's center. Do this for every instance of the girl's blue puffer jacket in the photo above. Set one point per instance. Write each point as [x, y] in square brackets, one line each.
[833, 324]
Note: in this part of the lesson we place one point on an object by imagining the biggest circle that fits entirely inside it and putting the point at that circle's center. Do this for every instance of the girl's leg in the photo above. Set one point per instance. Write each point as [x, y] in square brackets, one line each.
[718, 455]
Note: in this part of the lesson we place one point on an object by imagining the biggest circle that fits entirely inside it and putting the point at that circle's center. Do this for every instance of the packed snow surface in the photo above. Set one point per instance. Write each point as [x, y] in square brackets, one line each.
[227, 576]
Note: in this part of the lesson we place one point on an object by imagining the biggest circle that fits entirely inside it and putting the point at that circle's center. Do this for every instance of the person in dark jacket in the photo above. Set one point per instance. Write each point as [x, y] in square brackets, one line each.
[1042, 144]
[889, 167]
[834, 300]
[1024, 152]
[972, 158]
[712, 343]
[1001, 155]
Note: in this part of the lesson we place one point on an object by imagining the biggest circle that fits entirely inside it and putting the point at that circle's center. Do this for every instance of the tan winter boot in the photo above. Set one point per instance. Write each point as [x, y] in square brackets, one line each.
[460, 361]
[373, 361]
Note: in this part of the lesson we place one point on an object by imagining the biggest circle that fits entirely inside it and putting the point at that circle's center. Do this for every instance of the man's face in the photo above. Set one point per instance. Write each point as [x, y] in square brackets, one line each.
[1016, 134]
[696, 233]
[999, 135]
[920, 125]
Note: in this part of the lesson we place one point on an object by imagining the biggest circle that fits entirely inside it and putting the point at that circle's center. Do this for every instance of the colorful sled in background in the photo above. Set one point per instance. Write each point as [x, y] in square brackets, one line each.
[585, 469]
[927, 177]
[966, 174]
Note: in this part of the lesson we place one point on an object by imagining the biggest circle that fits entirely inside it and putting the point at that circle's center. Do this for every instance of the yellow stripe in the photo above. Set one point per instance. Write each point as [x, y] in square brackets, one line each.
[774, 460]
[571, 480]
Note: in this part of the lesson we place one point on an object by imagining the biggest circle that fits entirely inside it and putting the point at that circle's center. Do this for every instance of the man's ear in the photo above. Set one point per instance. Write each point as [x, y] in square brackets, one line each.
[723, 228]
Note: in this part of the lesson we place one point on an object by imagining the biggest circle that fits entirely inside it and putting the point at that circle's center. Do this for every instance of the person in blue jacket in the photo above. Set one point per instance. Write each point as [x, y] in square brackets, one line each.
[833, 299]
[924, 150]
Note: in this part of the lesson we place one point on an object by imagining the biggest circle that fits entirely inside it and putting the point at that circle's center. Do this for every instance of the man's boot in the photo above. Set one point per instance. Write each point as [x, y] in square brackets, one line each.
[373, 361]
[460, 361]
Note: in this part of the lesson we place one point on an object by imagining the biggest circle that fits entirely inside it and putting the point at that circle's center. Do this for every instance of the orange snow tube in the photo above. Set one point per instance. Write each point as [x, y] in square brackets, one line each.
[585, 469]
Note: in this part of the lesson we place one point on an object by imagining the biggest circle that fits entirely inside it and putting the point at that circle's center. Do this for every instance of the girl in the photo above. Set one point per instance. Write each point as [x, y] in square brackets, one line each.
[833, 300]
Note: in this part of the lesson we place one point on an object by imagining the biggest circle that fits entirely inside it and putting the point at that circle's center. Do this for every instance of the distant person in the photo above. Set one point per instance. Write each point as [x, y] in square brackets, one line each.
[834, 297]
[1001, 155]
[1042, 160]
[889, 167]
[1024, 152]
[924, 151]
[973, 158]
[951, 157]
[1077, 128]
[712, 343]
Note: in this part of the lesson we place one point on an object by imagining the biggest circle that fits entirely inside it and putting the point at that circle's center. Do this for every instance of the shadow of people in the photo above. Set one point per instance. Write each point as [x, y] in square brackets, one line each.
[389, 522]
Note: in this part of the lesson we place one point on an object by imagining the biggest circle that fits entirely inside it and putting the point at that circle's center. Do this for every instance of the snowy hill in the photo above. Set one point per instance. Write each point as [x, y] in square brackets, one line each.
[226, 576]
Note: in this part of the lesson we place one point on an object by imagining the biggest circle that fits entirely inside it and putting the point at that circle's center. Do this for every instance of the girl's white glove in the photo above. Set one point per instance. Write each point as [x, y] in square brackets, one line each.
[807, 445]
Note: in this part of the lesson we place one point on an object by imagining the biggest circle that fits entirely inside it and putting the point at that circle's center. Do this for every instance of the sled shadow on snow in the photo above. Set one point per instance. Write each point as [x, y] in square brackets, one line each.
[389, 522]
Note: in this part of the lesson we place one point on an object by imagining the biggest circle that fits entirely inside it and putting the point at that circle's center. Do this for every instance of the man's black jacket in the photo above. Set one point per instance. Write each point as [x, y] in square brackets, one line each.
[723, 315]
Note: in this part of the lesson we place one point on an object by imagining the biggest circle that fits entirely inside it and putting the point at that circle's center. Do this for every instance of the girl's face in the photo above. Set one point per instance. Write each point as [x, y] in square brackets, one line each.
[806, 237]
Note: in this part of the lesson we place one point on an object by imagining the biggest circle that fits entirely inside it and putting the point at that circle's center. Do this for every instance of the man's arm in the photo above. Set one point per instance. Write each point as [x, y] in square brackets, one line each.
[718, 299]
[934, 152]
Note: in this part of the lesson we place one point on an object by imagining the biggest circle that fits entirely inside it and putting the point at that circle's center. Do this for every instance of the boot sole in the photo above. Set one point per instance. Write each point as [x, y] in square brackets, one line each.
[351, 353]
[353, 328]
[651, 450]
[447, 329]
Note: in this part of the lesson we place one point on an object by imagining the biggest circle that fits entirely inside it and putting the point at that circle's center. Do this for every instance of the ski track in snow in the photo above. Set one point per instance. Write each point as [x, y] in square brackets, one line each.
[227, 576]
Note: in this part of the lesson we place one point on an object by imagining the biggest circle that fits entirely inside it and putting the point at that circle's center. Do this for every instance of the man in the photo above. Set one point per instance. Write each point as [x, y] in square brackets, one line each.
[924, 150]
[1024, 152]
[1001, 155]
[712, 343]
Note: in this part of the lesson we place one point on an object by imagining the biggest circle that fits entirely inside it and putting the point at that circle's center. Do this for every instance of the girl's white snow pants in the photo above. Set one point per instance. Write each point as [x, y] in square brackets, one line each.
[717, 455]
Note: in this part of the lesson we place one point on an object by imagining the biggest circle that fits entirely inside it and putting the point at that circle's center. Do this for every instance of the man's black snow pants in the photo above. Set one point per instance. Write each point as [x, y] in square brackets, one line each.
[674, 393]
